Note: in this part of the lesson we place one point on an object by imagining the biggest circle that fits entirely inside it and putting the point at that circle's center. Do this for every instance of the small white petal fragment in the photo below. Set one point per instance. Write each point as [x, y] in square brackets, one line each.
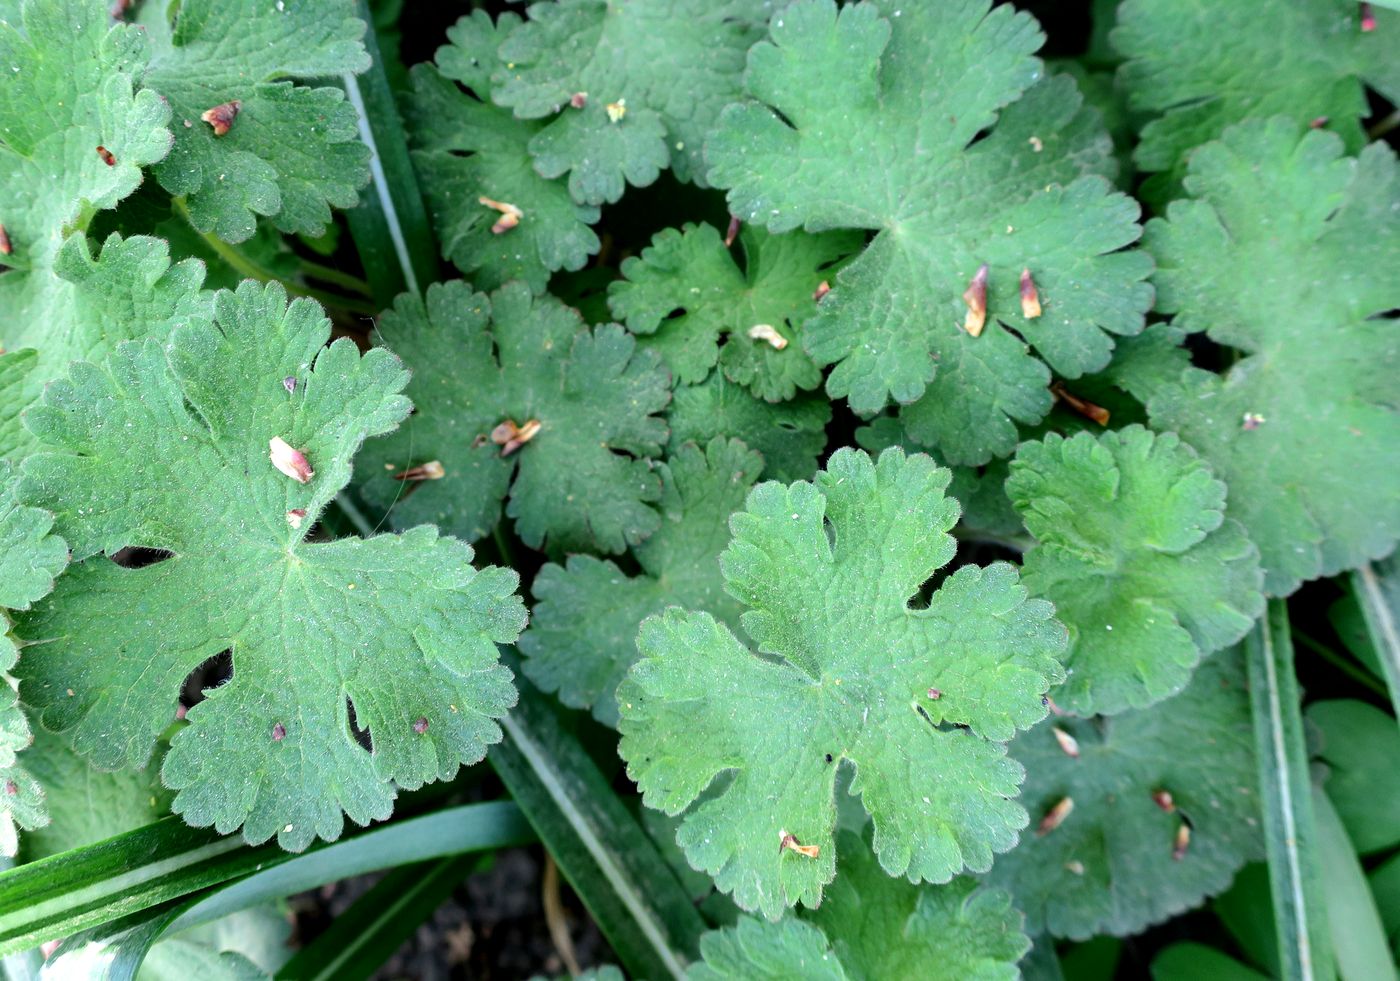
[616, 110]
[820, 292]
[295, 517]
[1068, 743]
[510, 214]
[765, 332]
[1036, 144]
[975, 296]
[289, 461]
[1075, 867]
[1252, 420]
[1182, 842]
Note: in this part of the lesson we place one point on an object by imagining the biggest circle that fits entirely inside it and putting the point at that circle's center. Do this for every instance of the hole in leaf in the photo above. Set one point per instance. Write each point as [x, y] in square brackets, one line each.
[138, 557]
[213, 673]
[362, 736]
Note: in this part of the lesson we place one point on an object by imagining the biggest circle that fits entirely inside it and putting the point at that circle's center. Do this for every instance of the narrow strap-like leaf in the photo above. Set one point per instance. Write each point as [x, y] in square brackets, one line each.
[1305, 952]
[390, 226]
[138, 871]
[1377, 589]
[613, 866]
[1358, 937]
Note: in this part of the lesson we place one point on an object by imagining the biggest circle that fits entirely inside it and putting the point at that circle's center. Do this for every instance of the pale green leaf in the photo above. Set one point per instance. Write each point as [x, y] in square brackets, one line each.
[851, 665]
[866, 119]
[166, 446]
[1136, 554]
[584, 634]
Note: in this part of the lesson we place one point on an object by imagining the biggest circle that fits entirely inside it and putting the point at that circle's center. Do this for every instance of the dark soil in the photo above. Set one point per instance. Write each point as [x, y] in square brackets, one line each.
[493, 927]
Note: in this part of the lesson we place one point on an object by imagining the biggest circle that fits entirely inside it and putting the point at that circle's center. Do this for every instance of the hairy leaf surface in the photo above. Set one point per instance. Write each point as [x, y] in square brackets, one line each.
[584, 635]
[1111, 866]
[30, 558]
[1287, 251]
[654, 75]
[291, 152]
[584, 481]
[865, 118]
[166, 447]
[789, 435]
[686, 293]
[870, 926]
[1139, 559]
[1200, 68]
[917, 697]
[467, 148]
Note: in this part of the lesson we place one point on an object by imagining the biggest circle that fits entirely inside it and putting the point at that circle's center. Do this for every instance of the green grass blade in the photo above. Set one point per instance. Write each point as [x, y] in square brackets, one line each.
[613, 866]
[390, 226]
[114, 880]
[1358, 937]
[1305, 952]
[1377, 590]
[364, 936]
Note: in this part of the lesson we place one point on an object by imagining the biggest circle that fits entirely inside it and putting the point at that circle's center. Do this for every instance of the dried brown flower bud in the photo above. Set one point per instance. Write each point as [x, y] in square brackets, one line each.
[822, 289]
[106, 156]
[511, 437]
[1085, 408]
[5, 247]
[510, 215]
[733, 231]
[975, 296]
[295, 517]
[432, 470]
[1163, 799]
[787, 841]
[289, 461]
[578, 100]
[1030, 296]
[1067, 742]
[1055, 816]
[221, 117]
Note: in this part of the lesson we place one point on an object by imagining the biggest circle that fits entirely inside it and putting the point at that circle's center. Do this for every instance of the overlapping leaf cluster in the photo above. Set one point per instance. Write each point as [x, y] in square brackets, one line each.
[932, 254]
